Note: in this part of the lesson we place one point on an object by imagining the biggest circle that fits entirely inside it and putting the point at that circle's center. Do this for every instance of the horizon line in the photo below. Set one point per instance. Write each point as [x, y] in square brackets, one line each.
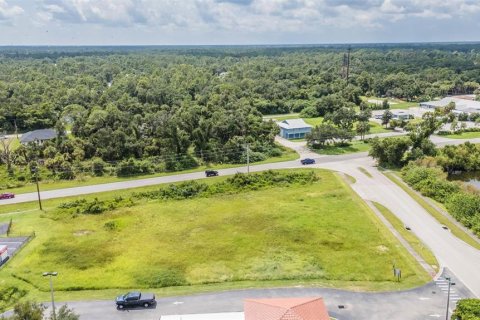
[245, 45]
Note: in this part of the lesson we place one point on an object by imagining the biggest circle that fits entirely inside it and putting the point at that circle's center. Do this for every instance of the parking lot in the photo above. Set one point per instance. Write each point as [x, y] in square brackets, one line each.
[13, 244]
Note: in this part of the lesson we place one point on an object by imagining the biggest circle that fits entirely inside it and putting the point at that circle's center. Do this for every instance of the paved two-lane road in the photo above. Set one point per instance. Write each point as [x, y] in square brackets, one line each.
[68, 192]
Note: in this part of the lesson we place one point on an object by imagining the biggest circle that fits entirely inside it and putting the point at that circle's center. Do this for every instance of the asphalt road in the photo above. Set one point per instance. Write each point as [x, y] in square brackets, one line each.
[462, 259]
[67, 192]
[427, 302]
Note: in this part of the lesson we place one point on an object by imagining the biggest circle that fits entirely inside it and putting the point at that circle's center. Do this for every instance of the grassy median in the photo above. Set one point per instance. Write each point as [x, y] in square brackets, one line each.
[458, 232]
[409, 236]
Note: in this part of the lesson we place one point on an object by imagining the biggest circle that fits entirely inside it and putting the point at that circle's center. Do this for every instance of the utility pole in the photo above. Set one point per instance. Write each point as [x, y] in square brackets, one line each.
[52, 274]
[248, 158]
[35, 171]
[346, 65]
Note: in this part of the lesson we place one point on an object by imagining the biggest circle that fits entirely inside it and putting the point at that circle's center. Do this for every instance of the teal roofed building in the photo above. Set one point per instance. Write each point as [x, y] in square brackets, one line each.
[294, 128]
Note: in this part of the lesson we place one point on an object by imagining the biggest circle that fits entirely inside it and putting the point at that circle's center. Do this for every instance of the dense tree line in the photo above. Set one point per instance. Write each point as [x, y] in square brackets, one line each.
[178, 105]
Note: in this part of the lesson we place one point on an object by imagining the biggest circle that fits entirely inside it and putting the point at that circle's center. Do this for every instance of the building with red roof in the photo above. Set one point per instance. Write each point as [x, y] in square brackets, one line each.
[286, 309]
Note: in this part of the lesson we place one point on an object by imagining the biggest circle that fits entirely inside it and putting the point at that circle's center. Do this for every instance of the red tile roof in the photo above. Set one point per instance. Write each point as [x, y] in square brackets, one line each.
[286, 309]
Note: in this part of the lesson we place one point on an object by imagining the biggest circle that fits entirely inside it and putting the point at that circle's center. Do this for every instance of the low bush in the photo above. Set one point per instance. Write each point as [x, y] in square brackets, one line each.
[132, 167]
[467, 309]
[95, 206]
[8, 294]
[462, 204]
[237, 183]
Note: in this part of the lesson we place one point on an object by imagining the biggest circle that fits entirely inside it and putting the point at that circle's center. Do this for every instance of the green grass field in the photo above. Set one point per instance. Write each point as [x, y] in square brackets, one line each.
[394, 103]
[353, 147]
[288, 154]
[463, 135]
[320, 234]
[314, 121]
[280, 117]
[376, 127]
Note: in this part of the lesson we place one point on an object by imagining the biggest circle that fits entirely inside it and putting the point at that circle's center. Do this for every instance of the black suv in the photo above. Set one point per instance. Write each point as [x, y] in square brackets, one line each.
[211, 173]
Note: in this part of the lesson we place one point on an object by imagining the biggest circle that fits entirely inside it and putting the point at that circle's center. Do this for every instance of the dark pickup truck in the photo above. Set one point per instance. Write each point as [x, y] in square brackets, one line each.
[135, 299]
[211, 173]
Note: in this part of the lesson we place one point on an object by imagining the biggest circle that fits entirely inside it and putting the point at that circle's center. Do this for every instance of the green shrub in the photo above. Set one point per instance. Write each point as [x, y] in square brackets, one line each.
[111, 225]
[433, 183]
[9, 295]
[133, 167]
[464, 207]
[98, 167]
[467, 309]
[95, 206]
[237, 183]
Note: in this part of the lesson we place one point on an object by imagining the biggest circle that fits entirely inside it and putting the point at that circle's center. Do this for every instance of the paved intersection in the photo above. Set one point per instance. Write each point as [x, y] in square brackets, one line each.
[461, 259]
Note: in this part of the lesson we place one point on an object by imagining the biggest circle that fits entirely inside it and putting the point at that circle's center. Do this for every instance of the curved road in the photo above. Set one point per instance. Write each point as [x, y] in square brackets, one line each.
[462, 259]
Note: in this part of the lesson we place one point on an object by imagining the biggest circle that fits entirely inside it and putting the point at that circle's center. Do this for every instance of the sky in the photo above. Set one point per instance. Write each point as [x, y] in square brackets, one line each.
[216, 22]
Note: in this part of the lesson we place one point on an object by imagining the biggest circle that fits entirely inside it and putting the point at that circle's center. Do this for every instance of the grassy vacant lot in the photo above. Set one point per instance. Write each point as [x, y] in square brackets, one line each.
[320, 234]
[463, 135]
[352, 147]
[314, 121]
[394, 103]
[288, 154]
[376, 127]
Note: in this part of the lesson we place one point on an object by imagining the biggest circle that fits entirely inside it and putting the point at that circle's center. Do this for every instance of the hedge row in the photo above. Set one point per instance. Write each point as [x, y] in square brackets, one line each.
[463, 205]
[190, 189]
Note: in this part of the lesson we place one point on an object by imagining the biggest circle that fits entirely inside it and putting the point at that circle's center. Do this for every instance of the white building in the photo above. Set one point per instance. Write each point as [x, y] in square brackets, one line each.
[461, 105]
[399, 114]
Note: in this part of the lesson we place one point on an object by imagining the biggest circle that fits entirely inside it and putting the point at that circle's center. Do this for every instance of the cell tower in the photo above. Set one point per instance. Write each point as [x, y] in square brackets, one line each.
[346, 65]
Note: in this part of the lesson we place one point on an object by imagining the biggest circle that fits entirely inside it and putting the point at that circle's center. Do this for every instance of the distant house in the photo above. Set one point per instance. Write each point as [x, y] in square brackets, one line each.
[401, 115]
[294, 128]
[38, 136]
[462, 105]
[286, 309]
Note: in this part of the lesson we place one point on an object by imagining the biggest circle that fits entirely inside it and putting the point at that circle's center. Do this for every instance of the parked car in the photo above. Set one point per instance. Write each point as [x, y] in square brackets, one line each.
[135, 299]
[211, 173]
[307, 161]
[6, 196]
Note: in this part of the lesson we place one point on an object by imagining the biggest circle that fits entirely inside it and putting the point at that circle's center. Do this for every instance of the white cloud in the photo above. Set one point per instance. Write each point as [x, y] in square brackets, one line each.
[250, 15]
[8, 12]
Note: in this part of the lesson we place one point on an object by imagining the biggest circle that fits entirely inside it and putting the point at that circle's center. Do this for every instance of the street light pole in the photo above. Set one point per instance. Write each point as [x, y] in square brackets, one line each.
[52, 274]
[450, 283]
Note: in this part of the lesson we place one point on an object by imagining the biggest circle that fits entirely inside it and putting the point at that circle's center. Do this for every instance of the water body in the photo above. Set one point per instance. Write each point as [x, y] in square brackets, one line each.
[471, 178]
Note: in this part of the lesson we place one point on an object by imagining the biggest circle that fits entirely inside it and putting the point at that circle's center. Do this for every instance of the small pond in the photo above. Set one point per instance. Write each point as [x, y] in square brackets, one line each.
[471, 178]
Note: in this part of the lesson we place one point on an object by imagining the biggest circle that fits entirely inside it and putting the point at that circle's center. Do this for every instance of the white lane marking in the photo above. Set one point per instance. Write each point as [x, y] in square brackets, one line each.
[424, 298]
[178, 302]
[435, 315]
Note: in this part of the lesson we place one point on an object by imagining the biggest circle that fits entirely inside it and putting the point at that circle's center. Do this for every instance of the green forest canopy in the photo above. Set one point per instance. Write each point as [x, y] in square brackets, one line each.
[138, 102]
